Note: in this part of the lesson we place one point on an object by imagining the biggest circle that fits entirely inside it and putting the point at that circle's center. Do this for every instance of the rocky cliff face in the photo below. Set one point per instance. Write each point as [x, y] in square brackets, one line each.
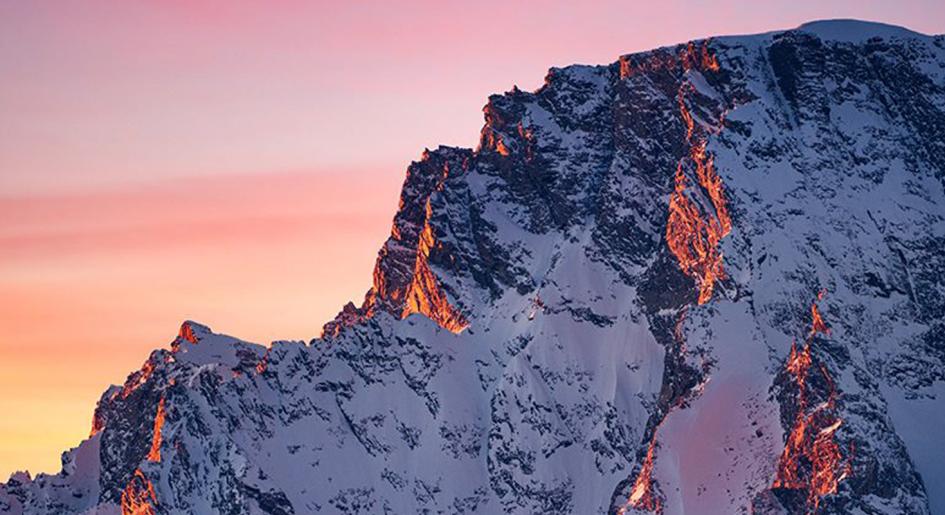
[707, 279]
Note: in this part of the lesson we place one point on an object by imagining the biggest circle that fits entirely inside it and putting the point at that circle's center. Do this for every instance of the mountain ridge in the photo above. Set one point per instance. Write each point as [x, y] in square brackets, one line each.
[586, 279]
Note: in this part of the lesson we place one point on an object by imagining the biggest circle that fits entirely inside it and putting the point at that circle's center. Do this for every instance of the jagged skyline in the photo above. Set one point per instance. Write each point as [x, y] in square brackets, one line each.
[121, 212]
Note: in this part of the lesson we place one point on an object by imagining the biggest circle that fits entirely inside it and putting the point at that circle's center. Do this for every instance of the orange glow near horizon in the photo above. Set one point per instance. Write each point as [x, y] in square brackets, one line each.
[239, 164]
[91, 283]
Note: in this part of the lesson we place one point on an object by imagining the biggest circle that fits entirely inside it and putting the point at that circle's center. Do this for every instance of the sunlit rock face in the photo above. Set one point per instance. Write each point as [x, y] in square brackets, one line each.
[706, 279]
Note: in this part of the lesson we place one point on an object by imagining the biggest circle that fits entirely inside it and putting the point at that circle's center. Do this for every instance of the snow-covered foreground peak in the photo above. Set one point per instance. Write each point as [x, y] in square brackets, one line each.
[705, 279]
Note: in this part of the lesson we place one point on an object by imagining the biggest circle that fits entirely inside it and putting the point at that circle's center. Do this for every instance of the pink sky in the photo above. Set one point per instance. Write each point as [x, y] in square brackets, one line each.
[240, 165]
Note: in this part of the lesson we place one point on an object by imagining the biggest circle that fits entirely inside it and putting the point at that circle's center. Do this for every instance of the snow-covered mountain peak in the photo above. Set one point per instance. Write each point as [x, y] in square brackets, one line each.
[855, 31]
[707, 278]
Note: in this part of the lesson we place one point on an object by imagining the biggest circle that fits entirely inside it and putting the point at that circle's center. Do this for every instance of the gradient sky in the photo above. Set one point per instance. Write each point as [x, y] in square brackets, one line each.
[239, 164]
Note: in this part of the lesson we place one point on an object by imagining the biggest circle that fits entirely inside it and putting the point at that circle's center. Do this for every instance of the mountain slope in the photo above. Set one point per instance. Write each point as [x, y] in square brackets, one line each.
[708, 278]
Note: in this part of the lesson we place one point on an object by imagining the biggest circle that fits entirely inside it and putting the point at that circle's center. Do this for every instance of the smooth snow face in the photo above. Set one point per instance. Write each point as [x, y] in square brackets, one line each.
[918, 421]
[587, 346]
[855, 31]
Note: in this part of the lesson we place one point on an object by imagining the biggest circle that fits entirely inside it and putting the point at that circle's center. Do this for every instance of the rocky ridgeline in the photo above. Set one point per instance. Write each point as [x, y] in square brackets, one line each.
[708, 278]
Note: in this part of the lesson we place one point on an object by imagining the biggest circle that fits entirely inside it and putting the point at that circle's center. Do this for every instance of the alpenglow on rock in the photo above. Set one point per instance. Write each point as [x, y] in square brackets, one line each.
[704, 279]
